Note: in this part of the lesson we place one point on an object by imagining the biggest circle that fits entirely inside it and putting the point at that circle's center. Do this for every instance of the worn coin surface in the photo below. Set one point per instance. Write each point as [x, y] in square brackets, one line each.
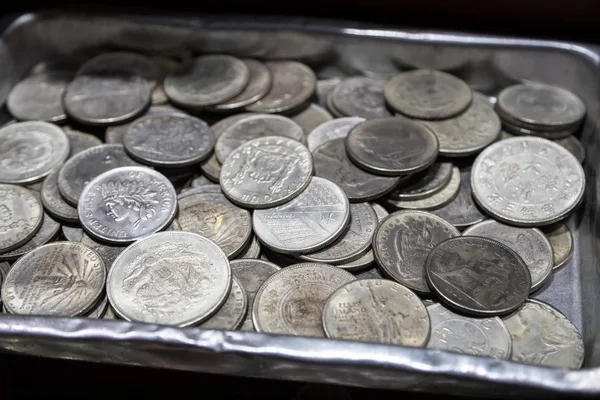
[360, 97]
[392, 146]
[125, 204]
[309, 222]
[436, 200]
[334, 129]
[291, 301]
[424, 184]
[561, 240]
[98, 309]
[545, 133]
[427, 94]
[371, 273]
[324, 87]
[30, 150]
[53, 202]
[541, 335]
[487, 337]
[376, 310]
[258, 86]
[478, 276]
[231, 314]
[108, 253]
[48, 231]
[61, 279]
[402, 242]
[527, 181]
[72, 233]
[252, 250]
[266, 172]
[170, 278]
[311, 117]
[574, 146]
[80, 141]
[21, 216]
[122, 61]
[39, 97]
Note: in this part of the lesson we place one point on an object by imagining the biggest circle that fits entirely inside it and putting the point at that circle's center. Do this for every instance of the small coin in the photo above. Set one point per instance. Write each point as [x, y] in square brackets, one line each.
[334, 129]
[114, 134]
[541, 335]
[309, 222]
[529, 243]
[392, 146]
[207, 80]
[53, 202]
[266, 172]
[48, 231]
[72, 234]
[324, 87]
[108, 253]
[311, 117]
[427, 94]
[231, 314]
[252, 250]
[360, 97]
[478, 276]
[258, 86]
[574, 147]
[293, 85]
[170, 278]
[561, 240]
[125, 62]
[99, 308]
[361, 310]
[21, 216]
[125, 204]
[30, 151]
[424, 184]
[291, 300]
[61, 279]
[80, 141]
[527, 181]
[486, 337]
[402, 242]
[39, 97]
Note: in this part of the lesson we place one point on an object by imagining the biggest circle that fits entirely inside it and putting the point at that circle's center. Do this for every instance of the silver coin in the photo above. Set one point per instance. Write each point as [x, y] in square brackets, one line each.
[165, 65]
[221, 126]
[231, 314]
[331, 162]
[80, 141]
[169, 140]
[372, 60]
[427, 94]
[331, 107]
[207, 80]
[36, 187]
[469, 132]
[527, 181]
[544, 133]
[87, 165]
[354, 242]
[48, 231]
[21, 216]
[371, 273]
[115, 134]
[125, 204]
[478, 276]
[424, 184]
[99, 308]
[362, 310]
[434, 56]
[170, 278]
[125, 62]
[61, 279]
[201, 181]
[309, 222]
[360, 97]
[72, 234]
[574, 146]
[334, 129]
[39, 97]
[258, 86]
[402, 242]
[266, 172]
[29, 151]
[324, 87]
[109, 313]
[541, 335]
[108, 253]
[311, 117]
[53, 202]
[293, 85]
[529, 243]
[486, 337]
[252, 250]
[392, 146]
[254, 127]
[561, 240]
[291, 301]
[214, 217]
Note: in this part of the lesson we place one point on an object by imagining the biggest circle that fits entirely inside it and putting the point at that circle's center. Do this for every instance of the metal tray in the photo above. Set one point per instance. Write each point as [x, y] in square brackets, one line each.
[332, 49]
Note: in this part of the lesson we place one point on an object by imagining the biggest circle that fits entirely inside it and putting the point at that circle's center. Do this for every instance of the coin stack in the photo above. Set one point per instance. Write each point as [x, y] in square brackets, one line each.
[225, 195]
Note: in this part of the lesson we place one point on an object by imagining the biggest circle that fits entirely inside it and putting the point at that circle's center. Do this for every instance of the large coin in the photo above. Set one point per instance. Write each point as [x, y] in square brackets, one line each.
[108, 253]
[170, 278]
[527, 181]
[569, 142]
[125, 204]
[61, 279]
[266, 172]
[258, 86]
[21, 216]
[311, 221]
[541, 335]
[231, 314]
[360, 97]
[53, 201]
[39, 97]
[334, 129]
[478, 276]
[311, 117]
[291, 301]
[80, 141]
[48, 231]
[402, 242]
[561, 240]
[486, 337]
[392, 146]
[424, 184]
[29, 151]
[125, 62]
[115, 134]
[436, 200]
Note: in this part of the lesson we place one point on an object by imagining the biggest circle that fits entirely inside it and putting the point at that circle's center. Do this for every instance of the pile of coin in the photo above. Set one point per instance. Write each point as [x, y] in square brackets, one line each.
[221, 193]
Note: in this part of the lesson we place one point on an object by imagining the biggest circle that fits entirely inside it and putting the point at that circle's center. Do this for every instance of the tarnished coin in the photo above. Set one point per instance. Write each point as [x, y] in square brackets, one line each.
[334, 129]
[85, 166]
[291, 301]
[392, 146]
[266, 172]
[109, 313]
[360, 97]
[545, 133]
[206, 80]
[21, 216]
[108, 253]
[212, 188]
[324, 87]
[486, 337]
[436, 200]
[29, 151]
[98, 309]
[440, 57]
[309, 222]
[72, 233]
[48, 231]
[170, 278]
[331, 107]
[371, 273]
[125, 204]
[258, 86]
[427, 94]
[80, 141]
[574, 146]
[478, 276]
[39, 97]
[231, 314]
[165, 65]
[402, 242]
[53, 202]
[214, 217]
[527, 181]
[376, 310]
[541, 335]
[200, 181]
[311, 117]
[4, 268]
[123, 61]
[293, 85]
[252, 250]
[368, 59]
[169, 140]
[561, 240]
[61, 279]
[424, 184]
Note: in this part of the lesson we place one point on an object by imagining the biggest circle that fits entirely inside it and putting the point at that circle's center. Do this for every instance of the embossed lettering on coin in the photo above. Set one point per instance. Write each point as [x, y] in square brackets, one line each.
[21, 216]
